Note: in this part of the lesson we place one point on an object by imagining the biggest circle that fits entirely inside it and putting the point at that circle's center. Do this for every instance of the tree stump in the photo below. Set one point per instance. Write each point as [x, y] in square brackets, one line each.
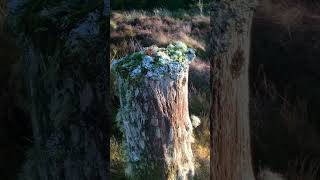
[154, 114]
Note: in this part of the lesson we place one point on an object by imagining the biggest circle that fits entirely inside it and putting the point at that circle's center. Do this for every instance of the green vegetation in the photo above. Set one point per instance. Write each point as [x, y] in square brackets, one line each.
[154, 62]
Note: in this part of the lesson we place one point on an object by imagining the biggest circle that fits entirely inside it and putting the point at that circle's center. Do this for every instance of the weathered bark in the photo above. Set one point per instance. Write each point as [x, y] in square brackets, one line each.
[64, 70]
[154, 117]
[230, 49]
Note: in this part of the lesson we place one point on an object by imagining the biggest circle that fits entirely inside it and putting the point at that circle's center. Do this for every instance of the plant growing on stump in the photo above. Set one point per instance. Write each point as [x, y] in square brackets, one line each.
[229, 52]
[153, 115]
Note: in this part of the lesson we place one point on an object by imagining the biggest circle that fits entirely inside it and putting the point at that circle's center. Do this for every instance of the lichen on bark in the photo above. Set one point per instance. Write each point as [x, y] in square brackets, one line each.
[154, 115]
[228, 16]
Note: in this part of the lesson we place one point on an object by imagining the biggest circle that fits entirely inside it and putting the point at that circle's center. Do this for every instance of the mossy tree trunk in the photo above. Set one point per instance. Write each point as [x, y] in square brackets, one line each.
[229, 50]
[154, 117]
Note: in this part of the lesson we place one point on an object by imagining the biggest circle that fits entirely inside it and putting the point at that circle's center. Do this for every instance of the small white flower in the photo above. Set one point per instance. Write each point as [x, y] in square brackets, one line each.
[195, 121]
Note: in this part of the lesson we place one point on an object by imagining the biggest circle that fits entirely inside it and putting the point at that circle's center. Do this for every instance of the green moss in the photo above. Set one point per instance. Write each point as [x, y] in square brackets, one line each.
[154, 62]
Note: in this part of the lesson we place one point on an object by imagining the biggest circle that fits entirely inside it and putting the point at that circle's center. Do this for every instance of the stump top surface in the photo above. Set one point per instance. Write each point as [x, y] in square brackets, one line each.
[154, 63]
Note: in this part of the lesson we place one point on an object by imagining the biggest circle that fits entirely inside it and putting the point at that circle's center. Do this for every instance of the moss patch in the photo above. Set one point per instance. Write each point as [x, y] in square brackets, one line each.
[154, 63]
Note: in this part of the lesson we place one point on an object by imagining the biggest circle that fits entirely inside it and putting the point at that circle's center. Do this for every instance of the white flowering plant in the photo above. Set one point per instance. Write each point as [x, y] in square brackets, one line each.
[196, 121]
[155, 63]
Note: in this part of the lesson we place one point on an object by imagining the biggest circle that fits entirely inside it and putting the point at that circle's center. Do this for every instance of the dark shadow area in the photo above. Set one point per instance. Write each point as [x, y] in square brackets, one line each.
[285, 96]
[15, 124]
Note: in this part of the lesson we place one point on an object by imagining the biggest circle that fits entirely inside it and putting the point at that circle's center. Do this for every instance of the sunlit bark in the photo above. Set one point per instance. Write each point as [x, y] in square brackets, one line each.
[229, 53]
[154, 117]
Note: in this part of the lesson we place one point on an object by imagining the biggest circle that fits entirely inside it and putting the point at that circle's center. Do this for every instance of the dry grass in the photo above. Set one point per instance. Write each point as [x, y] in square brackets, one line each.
[202, 162]
[159, 27]
[116, 159]
[202, 67]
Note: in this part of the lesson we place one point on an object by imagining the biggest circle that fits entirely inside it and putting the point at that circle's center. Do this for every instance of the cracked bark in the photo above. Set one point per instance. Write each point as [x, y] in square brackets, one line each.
[154, 117]
[230, 49]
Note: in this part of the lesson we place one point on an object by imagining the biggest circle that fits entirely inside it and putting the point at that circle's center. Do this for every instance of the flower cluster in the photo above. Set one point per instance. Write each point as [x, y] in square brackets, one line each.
[154, 63]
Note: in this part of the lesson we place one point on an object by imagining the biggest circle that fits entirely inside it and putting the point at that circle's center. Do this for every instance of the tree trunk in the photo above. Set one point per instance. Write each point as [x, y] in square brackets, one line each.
[64, 70]
[229, 50]
[154, 117]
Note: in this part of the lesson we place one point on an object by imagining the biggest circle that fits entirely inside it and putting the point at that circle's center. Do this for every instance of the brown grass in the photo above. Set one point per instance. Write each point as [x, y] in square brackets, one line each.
[202, 67]
[151, 29]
